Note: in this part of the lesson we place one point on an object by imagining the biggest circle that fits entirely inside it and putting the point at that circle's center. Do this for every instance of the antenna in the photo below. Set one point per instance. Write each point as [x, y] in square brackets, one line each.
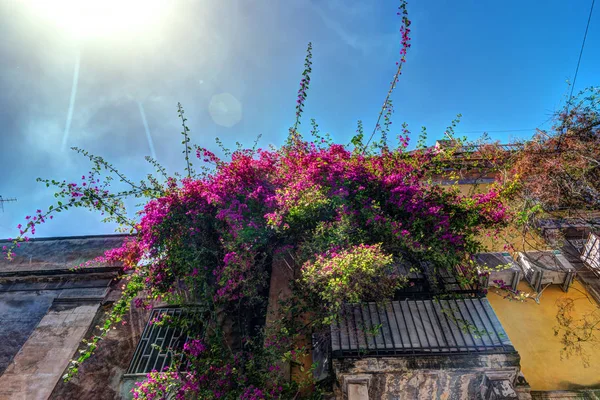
[2, 201]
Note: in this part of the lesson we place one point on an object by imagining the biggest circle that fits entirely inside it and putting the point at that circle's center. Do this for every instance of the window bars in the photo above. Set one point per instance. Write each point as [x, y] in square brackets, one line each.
[155, 350]
[591, 253]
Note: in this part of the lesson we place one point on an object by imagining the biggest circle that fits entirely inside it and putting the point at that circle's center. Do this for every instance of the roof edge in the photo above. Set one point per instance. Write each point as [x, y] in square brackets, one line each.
[49, 238]
[57, 272]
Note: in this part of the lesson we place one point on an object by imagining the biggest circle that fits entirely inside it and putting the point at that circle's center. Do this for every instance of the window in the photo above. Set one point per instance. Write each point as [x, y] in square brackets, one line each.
[155, 349]
[591, 252]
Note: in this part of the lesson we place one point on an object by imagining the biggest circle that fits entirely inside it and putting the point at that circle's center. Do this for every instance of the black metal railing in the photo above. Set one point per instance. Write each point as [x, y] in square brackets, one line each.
[418, 327]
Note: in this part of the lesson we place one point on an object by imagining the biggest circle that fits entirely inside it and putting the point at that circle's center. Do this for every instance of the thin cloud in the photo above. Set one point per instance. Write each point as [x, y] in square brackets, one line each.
[342, 18]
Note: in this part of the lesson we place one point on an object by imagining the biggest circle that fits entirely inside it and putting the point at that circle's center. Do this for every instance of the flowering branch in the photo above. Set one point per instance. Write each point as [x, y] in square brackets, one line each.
[405, 45]
[186, 140]
[304, 84]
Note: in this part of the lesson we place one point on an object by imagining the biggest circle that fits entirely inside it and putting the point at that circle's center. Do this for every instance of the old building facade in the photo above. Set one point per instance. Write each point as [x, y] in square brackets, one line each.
[415, 347]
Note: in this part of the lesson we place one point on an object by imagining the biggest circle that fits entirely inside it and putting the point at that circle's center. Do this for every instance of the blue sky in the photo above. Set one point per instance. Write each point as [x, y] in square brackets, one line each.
[235, 65]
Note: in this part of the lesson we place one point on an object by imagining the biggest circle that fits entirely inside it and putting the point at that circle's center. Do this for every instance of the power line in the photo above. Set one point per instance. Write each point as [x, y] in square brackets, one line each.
[581, 51]
[510, 130]
[501, 131]
[570, 95]
[577, 69]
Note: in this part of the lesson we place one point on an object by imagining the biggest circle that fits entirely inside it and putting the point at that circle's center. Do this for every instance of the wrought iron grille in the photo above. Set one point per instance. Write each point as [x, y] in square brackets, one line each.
[419, 327]
[155, 351]
[425, 282]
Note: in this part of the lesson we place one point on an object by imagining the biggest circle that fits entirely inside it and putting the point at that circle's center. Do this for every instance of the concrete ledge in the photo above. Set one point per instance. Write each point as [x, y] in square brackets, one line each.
[566, 394]
[443, 376]
[438, 361]
[66, 271]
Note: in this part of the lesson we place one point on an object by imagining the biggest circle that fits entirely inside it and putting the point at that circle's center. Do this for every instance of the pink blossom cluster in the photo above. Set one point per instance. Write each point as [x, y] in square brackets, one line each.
[194, 347]
[261, 195]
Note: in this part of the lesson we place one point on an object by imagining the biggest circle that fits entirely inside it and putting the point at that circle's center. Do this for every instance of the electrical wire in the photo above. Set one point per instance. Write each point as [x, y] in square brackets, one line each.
[509, 130]
[576, 71]
[501, 131]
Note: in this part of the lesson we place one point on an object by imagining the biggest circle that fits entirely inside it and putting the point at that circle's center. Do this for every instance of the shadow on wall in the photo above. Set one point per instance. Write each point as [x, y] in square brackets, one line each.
[574, 386]
[530, 327]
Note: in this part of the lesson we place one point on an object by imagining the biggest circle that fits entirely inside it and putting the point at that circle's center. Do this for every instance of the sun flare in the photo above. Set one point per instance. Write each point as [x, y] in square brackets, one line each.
[99, 18]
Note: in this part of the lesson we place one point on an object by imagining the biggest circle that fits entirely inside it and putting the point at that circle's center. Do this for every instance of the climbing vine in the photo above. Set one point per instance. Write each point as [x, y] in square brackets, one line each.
[343, 217]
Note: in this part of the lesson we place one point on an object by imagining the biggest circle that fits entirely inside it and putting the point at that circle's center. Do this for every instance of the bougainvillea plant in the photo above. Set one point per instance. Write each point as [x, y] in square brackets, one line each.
[358, 273]
[557, 178]
[345, 216]
[559, 168]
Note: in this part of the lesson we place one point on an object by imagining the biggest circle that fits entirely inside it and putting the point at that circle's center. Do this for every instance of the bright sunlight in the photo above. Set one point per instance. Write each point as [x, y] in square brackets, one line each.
[99, 18]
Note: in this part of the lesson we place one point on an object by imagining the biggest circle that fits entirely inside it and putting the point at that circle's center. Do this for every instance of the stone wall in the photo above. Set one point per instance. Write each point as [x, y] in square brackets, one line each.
[428, 377]
[47, 306]
[20, 312]
[41, 330]
[44, 315]
[43, 319]
[101, 376]
[37, 367]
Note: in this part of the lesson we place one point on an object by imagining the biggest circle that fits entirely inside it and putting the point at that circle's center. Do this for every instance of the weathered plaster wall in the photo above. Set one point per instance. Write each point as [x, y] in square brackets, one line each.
[39, 364]
[458, 384]
[20, 312]
[45, 309]
[530, 327]
[100, 377]
[49, 326]
[425, 377]
[24, 301]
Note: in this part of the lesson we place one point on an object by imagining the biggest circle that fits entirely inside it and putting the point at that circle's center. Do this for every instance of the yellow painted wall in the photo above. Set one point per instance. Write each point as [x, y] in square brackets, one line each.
[529, 241]
[530, 328]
